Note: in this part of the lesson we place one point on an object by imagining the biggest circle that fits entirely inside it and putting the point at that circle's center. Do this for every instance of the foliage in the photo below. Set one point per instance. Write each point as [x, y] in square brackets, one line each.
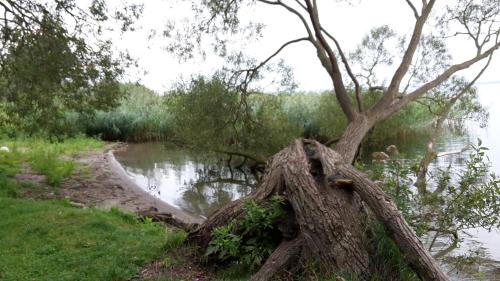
[205, 114]
[142, 116]
[9, 163]
[205, 110]
[461, 198]
[47, 162]
[250, 241]
[208, 115]
[474, 199]
[49, 64]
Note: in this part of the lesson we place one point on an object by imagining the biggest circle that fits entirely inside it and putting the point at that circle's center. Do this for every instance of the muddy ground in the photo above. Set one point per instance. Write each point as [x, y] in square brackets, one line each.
[100, 181]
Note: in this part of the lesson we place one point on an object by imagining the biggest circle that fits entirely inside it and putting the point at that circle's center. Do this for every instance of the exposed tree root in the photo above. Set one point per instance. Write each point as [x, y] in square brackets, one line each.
[286, 255]
[327, 198]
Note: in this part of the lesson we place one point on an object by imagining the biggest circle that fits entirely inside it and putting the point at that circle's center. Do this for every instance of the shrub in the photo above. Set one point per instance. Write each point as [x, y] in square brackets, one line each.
[250, 241]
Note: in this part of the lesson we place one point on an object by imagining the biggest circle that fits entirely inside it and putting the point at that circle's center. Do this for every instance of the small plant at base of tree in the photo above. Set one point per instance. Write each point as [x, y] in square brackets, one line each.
[250, 241]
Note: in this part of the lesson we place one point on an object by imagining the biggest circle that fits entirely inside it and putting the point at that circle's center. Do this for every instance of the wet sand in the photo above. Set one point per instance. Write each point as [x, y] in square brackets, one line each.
[100, 181]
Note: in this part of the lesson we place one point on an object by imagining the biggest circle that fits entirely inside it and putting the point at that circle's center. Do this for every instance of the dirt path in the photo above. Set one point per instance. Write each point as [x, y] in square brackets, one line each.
[100, 181]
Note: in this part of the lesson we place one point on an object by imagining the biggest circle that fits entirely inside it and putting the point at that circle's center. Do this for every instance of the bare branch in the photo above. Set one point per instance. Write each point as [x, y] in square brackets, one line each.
[251, 73]
[336, 75]
[410, 52]
[357, 88]
[441, 78]
[301, 4]
[415, 12]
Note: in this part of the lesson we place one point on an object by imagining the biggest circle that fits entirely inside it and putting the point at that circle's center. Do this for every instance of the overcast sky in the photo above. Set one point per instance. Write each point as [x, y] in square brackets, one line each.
[159, 70]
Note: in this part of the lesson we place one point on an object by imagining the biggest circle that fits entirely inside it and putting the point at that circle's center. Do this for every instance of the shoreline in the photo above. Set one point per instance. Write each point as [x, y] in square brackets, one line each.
[161, 206]
[100, 181]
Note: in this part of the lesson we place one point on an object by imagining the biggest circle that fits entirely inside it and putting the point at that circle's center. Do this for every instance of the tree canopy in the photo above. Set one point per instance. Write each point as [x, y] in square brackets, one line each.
[419, 61]
[53, 59]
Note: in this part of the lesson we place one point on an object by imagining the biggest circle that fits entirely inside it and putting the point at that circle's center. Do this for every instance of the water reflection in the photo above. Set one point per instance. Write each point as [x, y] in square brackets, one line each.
[201, 183]
[198, 183]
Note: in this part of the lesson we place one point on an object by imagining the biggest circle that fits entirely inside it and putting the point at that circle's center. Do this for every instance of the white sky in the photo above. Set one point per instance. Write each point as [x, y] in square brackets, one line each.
[159, 70]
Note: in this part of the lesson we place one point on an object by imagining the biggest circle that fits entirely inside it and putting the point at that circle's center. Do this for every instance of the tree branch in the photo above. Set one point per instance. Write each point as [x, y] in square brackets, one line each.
[336, 75]
[251, 72]
[430, 154]
[293, 11]
[357, 88]
[415, 12]
[407, 57]
[284, 256]
[438, 80]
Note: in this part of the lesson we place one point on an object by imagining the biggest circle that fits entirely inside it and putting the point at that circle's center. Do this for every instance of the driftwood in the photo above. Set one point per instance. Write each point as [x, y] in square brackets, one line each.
[166, 218]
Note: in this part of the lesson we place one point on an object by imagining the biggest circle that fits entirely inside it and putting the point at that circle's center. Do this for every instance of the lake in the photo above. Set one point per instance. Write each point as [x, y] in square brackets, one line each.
[200, 183]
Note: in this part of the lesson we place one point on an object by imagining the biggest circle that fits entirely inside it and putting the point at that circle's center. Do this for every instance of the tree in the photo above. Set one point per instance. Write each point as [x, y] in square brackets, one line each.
[53, 60]
[331, 216]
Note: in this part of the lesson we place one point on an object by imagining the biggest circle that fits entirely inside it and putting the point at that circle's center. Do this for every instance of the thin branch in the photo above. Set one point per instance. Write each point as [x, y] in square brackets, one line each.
[301, 4]
[251, 72]
[441, 78]
[357, 88]
[415, 12]
[336, 75]
[293, 11]
[281, 49]
[256, 158]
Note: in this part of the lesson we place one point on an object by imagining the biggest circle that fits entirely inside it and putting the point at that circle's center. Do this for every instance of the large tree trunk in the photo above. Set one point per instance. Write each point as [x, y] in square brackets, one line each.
[353, 136]
[331, 217]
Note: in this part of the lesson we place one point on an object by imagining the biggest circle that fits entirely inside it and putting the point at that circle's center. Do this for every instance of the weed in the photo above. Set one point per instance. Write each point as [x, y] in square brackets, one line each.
[175, 239]
[48, 163]
[249, 241]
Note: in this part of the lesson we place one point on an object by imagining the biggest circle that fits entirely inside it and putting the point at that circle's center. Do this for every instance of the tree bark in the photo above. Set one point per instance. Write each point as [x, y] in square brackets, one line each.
[283, 257]
[353, 137]
[332, 219]
[386, 211]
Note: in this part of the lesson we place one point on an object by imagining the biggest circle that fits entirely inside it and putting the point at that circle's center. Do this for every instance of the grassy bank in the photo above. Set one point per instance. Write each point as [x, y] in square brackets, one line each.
[50, 159]
[51, 239]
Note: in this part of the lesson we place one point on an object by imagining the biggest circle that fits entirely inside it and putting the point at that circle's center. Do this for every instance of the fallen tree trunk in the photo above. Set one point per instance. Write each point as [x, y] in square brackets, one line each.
[328, 199]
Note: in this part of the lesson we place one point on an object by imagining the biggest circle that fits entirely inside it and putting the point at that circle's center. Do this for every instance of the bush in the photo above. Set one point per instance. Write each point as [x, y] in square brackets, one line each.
[250, 241]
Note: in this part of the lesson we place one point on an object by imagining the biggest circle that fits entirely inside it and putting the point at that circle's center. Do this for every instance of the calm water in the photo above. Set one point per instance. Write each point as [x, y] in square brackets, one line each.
[200, 183]
[195, 182]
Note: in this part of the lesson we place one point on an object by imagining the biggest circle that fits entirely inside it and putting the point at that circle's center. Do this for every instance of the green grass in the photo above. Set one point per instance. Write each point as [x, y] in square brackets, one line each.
[50, 240]
[9, 163]
[48, 163]
[46, 157]
[390, 264]
[70, 147]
